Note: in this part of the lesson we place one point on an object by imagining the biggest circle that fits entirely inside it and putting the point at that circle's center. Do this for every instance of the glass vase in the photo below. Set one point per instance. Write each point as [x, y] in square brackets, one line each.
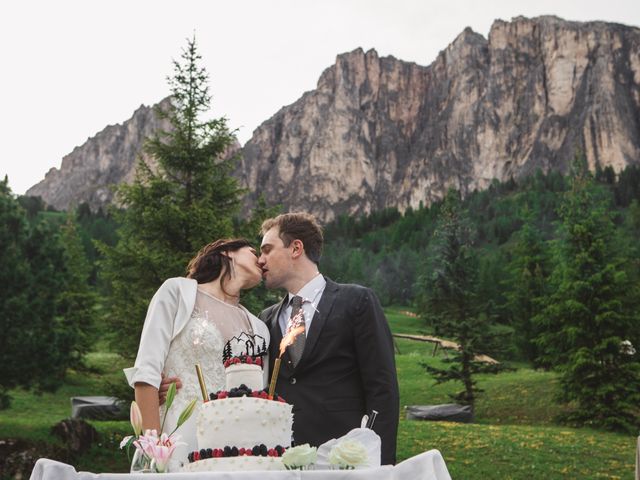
[140, 463]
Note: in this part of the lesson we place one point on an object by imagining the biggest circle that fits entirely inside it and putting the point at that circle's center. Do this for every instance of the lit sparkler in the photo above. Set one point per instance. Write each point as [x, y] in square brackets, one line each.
[287, 340]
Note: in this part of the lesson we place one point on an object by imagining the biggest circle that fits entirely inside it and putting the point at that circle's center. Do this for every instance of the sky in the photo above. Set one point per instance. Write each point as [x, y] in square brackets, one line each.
[72, 67]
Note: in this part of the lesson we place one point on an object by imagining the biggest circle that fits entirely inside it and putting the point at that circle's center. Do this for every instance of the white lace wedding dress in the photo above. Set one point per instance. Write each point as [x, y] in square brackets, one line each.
[212, 324]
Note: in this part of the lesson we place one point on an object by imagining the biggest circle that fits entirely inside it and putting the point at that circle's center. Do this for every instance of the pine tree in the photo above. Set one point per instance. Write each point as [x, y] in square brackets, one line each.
[172, 211]
[450, 301]
[47, 280]
[76, 314]
[526, 285]
[226, 352]
[41, 332]
[584, 322]
[14, 294]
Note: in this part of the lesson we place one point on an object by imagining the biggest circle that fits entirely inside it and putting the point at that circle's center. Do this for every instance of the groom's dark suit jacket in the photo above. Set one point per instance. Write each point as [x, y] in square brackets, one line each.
[347, 369]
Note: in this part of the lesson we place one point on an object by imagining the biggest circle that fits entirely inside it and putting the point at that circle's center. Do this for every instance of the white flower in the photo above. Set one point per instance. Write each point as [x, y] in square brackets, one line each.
[125, 440]
[299, 457]
[348, 454]
[626, 347]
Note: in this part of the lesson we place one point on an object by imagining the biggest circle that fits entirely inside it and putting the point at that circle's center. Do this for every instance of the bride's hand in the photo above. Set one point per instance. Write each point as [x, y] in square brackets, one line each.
[164, 387]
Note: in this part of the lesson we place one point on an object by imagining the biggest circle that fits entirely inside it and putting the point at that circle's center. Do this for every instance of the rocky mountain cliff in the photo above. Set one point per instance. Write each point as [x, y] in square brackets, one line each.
[88, 173]
[380, 132]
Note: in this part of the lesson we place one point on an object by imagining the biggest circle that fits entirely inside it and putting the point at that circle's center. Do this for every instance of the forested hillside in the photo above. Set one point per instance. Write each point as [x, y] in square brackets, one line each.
[511, 223]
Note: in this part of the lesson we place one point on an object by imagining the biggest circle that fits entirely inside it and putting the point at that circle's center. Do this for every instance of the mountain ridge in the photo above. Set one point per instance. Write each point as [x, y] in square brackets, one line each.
[378, 132]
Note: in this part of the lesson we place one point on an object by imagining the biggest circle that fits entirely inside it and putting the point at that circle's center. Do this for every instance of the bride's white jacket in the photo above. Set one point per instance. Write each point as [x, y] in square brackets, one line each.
[168, 313]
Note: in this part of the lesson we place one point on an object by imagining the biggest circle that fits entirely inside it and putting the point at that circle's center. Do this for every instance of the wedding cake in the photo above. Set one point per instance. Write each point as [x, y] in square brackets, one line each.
[241, 428]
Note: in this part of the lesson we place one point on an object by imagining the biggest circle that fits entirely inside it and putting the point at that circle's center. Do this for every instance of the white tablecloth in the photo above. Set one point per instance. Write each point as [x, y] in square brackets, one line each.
[426, 466]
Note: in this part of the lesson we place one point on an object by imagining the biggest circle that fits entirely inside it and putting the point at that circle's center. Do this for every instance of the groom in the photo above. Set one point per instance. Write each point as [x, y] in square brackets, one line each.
[342, 366]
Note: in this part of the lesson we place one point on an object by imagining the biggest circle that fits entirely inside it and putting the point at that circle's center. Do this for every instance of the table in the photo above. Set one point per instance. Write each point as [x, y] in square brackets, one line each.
[427, 466]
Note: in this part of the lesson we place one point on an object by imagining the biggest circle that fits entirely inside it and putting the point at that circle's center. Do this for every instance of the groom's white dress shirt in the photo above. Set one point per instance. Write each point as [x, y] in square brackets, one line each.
[311, 294]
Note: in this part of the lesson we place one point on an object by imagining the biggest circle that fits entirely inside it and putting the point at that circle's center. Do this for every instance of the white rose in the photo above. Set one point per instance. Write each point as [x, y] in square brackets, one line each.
[300, 456]
[626, 348]
[348, 454]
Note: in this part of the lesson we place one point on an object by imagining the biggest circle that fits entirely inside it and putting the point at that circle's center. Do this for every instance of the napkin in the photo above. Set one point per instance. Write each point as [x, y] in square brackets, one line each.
[368, 438]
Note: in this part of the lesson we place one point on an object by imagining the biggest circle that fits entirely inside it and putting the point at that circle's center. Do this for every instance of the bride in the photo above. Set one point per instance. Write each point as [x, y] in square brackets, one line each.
[190, 321]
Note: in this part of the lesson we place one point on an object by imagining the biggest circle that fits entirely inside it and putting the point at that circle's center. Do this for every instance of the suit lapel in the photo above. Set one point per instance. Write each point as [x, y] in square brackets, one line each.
[319, 318]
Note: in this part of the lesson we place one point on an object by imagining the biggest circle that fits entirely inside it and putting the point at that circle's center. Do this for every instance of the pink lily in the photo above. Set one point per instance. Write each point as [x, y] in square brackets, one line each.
[158, 449]
[155, 449]
[146, 442]
[135, 417]
[161, 455]
[163, 450]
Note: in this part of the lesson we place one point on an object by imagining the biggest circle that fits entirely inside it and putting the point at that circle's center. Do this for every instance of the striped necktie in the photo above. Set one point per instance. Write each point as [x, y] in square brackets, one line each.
[297, 347]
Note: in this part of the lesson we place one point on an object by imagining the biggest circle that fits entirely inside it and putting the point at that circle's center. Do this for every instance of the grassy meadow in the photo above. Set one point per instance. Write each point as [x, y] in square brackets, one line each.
[514, 435]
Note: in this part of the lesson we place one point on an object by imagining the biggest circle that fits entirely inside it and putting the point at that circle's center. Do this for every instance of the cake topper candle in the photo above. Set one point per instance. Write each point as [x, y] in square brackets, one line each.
[203, 387]
[274, 377]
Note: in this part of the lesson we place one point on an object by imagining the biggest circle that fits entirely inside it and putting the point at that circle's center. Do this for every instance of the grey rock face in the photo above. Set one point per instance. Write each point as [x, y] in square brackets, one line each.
[89, 172]
[379, 132]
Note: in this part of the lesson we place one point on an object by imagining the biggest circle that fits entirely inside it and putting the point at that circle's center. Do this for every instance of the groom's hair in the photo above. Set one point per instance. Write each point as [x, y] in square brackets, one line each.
[212, 260]
[298, 226]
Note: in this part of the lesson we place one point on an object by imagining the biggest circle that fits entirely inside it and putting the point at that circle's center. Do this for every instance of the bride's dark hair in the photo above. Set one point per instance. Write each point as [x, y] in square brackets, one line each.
[212, 260]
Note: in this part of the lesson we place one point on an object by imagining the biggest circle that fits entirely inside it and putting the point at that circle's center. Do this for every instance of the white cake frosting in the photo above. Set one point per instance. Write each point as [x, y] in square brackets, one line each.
[244, 422]
[242, 373]
[235, 464]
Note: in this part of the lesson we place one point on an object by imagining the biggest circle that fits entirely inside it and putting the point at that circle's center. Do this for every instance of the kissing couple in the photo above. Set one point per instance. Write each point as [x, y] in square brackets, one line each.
[341, 368]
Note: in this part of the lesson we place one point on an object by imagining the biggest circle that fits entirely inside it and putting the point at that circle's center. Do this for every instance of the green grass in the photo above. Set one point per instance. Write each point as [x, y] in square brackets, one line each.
[31, 416]
[523, 396]
[520, 451]
[514, 436]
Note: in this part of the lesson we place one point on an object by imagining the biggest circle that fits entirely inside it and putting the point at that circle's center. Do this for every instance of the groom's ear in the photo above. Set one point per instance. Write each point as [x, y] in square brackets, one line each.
[297, 248]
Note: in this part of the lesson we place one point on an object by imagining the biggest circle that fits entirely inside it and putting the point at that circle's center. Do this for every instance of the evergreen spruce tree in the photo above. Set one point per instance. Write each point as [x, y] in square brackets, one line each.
[450, 302]
[14, 294]
[526, 285]
[171, 211]
[76, 302]
[226, 352]
[584, 323]
[47, 281]
[41, 332]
